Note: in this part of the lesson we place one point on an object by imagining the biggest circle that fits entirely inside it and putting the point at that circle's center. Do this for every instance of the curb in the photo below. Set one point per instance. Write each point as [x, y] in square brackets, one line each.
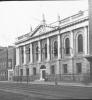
[53, 83]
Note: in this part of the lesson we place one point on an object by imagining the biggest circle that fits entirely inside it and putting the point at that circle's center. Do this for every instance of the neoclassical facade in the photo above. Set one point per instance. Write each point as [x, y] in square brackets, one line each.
[55, 51]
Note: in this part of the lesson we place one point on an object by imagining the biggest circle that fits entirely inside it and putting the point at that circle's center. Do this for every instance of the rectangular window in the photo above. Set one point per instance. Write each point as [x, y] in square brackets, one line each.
[52, 69]
[65, 70]
[79, 67]
[34, 71]
[27, 71]
[21, 72]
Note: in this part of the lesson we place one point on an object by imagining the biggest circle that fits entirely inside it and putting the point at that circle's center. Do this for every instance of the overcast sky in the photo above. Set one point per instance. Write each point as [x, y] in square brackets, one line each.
[16, 17]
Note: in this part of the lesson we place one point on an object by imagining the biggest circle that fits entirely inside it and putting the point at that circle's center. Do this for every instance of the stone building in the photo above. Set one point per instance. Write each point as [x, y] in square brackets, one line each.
[55, 51]
[7, 62]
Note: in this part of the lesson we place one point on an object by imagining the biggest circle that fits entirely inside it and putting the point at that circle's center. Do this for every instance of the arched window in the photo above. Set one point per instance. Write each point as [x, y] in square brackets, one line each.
[67, 46]
[80, 43]
[55, 48]
[37, 53]
[45, 51]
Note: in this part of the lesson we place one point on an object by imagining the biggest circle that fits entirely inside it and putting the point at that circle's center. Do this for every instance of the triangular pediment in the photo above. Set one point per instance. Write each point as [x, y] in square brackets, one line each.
[41, 29]
[36, 31]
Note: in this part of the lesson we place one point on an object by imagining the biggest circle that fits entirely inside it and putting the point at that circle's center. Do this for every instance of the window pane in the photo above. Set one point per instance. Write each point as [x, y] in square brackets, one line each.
[45, 51]
[55, 48]
[22, 54]
[65, 68]
[27, 71]
[52, 69]
[80, 43]
[28, 53]
[79, 67]
[21, 72]
[67, 45]
[37, 52]
[34, 71]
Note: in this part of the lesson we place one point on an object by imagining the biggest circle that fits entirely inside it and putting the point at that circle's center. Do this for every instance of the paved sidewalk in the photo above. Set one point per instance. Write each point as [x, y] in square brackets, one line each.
[63, 83]
[53, 83]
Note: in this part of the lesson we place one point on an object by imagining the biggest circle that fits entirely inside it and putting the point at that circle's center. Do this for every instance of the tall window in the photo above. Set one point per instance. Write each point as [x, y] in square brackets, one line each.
[27, 71]
[52, 69]
[55, 48]
[28, 53]
[37, 52]
[45, 51]
[22, 55]
[80, 43]
[34, 71]
[65, 70]
[67, 46]
[21, 72]
[79, 67]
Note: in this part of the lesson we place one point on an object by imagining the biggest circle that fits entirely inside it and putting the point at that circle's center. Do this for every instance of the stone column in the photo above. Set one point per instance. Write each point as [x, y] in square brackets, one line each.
[48, 51]
[71, 44]
[72, 51]
[16, 70]
[24, 54]
[39, 51]
[31, 54]
[59, 54]
[17, 56]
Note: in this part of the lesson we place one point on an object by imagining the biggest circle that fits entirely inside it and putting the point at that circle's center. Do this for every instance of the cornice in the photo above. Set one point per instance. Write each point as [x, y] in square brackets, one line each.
[54, 30]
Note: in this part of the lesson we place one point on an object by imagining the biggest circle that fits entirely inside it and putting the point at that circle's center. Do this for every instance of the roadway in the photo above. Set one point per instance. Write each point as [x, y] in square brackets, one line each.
[46, 91]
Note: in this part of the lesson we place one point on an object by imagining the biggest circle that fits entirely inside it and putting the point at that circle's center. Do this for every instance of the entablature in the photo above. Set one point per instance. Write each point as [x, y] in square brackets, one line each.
[50, 34]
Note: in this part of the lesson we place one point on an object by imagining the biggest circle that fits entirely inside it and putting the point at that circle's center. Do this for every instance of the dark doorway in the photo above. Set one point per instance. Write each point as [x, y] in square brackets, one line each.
[43, 74]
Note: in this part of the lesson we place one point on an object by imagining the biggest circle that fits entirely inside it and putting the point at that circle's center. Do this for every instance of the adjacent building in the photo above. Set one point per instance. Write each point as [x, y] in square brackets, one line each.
[7, 62]
[55, 51]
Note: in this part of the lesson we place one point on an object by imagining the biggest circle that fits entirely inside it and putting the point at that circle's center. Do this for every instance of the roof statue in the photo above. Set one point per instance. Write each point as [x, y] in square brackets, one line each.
[58, 20]
[43, 19]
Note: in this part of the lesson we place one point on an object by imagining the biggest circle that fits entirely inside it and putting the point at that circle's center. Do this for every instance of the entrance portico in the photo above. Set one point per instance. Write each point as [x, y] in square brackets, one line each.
[42, 72]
